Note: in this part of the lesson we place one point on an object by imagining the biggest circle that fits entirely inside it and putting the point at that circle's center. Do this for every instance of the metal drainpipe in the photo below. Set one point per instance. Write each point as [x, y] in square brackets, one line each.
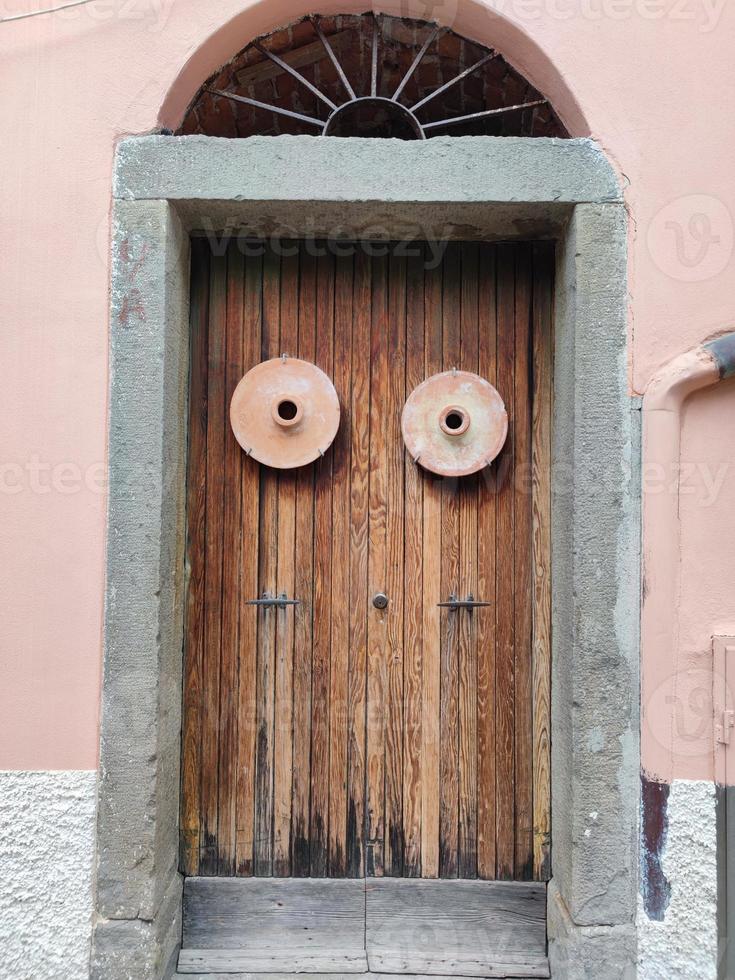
[699, 368]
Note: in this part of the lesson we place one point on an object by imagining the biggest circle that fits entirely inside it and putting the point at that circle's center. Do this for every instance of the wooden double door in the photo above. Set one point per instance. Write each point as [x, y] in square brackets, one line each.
[334, 738]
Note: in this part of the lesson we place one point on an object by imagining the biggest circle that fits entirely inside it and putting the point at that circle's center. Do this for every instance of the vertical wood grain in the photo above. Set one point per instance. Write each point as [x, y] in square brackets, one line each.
[340, 629]
[322, 629]
[469, 488]
[522, 569]
[395, 562]
[191, 733]
[413, 567]
[543, 271]
[377, 672]
[303, 613]
[359, 541]
[505, 578]
[486, 587]
[267, 572]
[213, 560]
[432, 594]
[283, 714]
[450, 573]
[231, 564]
[334, 738]
[250, 505]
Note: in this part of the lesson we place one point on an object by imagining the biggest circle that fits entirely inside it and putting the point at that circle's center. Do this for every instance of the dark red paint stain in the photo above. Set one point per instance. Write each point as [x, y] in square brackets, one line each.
[655, 886]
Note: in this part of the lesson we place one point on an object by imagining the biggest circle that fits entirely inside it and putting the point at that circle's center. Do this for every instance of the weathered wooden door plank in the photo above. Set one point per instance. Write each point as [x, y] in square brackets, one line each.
[471, 928]
[395, 341]
[292, 960]
[336, 738]
[377, 667]
[359, 537]
[486, 586]
[249, 549]
[267, 572]
[432, 591]
[304, 591]
[543, 325]
[413, 596]
[449, 556]
[192, 721]
[285, 584]
[505, 578]
[321, 655]
[470, 488]
[523, 626]
[231, 584]
[340, 579]
[216, 414]
[333, 976]
[273, 924]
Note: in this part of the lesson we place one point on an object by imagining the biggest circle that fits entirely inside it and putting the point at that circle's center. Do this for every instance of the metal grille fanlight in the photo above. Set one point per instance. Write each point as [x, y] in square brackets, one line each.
[375, 114]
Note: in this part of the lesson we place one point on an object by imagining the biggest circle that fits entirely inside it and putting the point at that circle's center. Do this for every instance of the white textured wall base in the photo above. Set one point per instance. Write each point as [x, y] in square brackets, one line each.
[684, 945]
[47, 828]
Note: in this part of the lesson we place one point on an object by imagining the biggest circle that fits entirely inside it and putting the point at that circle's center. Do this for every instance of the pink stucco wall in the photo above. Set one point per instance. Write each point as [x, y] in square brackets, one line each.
[652, 80]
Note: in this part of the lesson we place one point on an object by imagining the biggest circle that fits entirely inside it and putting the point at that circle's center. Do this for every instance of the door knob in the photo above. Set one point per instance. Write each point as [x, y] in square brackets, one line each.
[380, 600]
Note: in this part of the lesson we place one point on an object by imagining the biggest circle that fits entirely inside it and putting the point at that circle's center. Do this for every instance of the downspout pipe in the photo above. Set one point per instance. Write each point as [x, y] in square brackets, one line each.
[701, 367]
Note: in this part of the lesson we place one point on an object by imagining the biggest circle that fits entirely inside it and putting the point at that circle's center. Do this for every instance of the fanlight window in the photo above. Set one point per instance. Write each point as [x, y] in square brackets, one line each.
[370, 76]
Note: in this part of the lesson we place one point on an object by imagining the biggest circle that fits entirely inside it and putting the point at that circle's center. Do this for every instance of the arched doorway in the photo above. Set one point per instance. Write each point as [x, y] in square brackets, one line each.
[482, 199]
[336, 737]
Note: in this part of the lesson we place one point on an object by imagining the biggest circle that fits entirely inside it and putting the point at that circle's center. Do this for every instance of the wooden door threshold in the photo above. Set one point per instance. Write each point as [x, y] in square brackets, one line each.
[273, 925]
[456, 928]
[338, 976]
[389, 928]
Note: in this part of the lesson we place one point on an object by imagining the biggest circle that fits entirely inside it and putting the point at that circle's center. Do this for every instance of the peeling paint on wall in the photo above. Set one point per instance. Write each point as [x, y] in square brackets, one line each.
[677, 939]
[655, 888]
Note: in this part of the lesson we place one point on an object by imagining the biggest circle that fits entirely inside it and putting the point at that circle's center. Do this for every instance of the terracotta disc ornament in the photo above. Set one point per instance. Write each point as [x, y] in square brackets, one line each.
[454, 423]
[285, 412]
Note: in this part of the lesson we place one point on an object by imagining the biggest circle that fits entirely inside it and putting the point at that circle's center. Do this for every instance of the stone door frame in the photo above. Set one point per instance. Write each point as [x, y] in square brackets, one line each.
[481, 188]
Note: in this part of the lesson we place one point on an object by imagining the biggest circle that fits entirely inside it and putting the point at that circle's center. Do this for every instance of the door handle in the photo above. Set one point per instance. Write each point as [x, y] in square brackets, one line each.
[453, 602]
[267, 601]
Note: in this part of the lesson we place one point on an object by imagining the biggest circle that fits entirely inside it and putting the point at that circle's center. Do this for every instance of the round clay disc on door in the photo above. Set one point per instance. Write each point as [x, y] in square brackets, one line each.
[285, 412]
[454, 423]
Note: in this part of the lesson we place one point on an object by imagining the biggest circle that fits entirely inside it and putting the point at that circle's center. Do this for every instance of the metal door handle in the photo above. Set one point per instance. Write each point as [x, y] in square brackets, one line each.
[267, 601]
[453, 602]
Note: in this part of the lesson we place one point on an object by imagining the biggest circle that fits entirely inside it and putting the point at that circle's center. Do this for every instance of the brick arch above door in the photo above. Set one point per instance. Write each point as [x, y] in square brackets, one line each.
[368, 75]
